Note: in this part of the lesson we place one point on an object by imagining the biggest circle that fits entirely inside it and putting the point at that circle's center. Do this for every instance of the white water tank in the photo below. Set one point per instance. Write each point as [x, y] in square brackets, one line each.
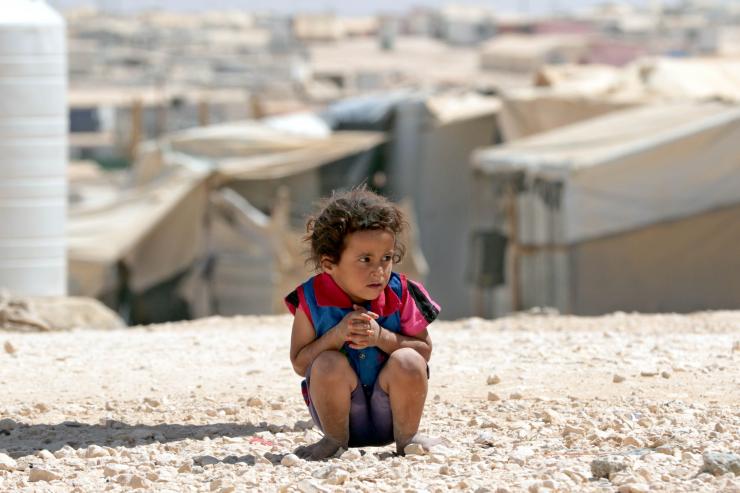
[33, 149]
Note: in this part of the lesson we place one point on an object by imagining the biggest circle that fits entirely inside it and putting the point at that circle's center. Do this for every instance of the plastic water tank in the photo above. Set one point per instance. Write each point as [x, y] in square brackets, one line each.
[33, 149]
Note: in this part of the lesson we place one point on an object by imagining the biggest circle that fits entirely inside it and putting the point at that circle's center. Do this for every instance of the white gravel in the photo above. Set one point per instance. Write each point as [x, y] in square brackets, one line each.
[529, 403]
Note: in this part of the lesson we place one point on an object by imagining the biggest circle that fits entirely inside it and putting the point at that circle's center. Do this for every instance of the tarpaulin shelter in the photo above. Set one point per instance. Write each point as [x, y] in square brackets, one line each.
[635, 210]
[430, 140]
[566, 94]
[199, 217]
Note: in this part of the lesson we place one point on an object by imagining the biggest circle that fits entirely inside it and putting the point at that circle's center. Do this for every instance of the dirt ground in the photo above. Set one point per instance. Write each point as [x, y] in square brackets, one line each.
[534, 403]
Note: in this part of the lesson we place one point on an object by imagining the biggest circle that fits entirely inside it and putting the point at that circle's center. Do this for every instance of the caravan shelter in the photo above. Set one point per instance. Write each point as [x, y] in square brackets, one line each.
[635, 210]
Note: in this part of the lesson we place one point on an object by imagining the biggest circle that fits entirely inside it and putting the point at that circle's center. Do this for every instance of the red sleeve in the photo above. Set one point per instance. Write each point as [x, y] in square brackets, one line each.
[297, 299]
[418, 309]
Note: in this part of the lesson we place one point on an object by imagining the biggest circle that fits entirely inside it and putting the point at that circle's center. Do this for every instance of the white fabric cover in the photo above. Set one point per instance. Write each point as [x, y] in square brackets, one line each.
[628, 169]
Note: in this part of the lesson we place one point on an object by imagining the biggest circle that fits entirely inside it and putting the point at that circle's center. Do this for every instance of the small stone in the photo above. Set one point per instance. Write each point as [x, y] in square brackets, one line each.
[351, 455]
[45, 455]
[632, 441]
[41, 407]
[516, 395]
[39, 474]
[603, 467]
[111, 470]
[648, 373]
[338, 477]
[493, 397]
[665, 449]
[665, 374]
[205, 460]
[301, 425]
[520, 455]
[255, 402]
[9, 348]
[493, 380]
[136, 482]
[65, 451]
[414, 449]
[719, 428]
[634, 488]
[94, 451]
[152, 402]
[7, 424]
[290, 460]
[185, 467]
[617, 378]
[718, 463]
[486, 438]
[308, 486]
[551, 417]
[7, 463]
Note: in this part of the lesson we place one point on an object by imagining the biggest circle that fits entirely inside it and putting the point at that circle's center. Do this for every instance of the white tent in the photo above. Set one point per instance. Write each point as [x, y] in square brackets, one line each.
[567, 94]
[597, 211]
[177, 231]
[432, 141]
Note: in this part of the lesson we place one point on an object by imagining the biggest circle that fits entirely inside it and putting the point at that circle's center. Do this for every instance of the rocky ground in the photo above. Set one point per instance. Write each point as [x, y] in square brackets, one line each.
[535, 403]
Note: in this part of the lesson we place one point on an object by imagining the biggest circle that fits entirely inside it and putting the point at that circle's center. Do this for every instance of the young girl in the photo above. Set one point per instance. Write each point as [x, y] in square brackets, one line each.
[360, 330]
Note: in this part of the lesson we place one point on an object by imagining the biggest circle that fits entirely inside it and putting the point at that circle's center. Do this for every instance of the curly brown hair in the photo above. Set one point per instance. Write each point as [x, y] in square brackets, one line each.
[358, 209]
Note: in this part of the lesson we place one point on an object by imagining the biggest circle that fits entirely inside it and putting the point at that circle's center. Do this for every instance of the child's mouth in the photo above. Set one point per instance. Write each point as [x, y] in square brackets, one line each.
[375, 285]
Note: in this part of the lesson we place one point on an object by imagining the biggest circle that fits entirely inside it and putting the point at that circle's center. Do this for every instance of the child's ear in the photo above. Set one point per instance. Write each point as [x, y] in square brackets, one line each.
[326, 264]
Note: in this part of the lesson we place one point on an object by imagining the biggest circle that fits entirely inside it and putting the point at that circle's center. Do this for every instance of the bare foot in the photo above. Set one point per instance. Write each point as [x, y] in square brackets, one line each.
[323, 449]
[426, 443]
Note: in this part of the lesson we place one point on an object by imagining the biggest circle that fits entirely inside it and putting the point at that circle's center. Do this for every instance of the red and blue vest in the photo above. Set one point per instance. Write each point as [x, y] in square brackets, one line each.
[403, 307]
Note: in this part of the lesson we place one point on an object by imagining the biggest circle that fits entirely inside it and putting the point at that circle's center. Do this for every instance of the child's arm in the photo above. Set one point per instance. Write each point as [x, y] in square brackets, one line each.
[372, 334]
[390, 341]
[305, 347]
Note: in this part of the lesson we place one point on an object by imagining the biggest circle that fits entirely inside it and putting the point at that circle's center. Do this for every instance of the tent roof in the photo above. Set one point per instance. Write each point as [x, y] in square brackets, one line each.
[256, 151]
[113, 221]
[600, 140]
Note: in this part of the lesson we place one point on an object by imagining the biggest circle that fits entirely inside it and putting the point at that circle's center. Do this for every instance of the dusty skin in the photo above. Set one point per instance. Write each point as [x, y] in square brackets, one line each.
[527, 403]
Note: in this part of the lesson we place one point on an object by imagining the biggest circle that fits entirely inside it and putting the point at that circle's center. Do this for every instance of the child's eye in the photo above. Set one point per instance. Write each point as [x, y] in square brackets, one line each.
[364, 259]
[387, 258]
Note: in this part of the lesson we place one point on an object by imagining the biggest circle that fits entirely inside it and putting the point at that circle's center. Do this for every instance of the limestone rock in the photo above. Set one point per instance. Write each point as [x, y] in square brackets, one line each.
[718, 463]
[290, 460]
[40, 474]
[7, 463]
[603, 467]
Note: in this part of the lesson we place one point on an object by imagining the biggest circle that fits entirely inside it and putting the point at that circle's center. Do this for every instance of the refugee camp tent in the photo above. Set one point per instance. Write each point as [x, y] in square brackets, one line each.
[635, 210]
[430, 140]
[202, 225]
[433, 141]
[120, 239]
[566, 94]
[527, 53]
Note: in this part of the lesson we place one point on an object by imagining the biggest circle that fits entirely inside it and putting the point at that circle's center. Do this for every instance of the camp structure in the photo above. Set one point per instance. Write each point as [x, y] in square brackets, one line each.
[426, 161]
[635, 210]
[566, 94]
[207, 221]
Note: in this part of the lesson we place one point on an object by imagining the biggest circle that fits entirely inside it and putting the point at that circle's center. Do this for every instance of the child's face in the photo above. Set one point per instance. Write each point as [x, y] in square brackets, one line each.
[364, 268]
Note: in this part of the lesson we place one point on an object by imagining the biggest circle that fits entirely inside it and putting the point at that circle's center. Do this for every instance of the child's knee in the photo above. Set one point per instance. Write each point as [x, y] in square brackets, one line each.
[331, 365]
[407, 364]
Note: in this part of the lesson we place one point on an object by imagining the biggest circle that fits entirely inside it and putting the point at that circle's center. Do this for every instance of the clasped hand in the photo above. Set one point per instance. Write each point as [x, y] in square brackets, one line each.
[359, 328]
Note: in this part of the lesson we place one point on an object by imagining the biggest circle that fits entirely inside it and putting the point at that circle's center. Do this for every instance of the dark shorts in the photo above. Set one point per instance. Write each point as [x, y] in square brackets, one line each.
[370, 417]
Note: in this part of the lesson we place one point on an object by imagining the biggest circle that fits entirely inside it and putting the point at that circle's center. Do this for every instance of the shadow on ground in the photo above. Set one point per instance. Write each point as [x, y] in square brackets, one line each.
[25, 439]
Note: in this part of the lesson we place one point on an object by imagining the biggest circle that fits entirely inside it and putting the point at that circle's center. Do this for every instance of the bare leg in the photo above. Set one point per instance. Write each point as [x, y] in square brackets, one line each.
[404, 379]
[332, 383]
